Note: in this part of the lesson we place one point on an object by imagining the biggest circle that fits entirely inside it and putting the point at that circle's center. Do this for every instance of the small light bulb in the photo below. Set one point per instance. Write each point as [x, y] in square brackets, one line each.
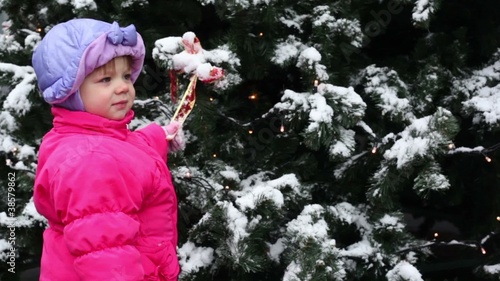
[483, 250]
[316, 83]
[282, 128]
[156, 98]
[252, 96]
[38, 29]
[188, 175]
[214, 155]
[436, 235]
[488, 159]
[261, 34]
[226, 187]
[451, 146]
[211, 99]
[498, 218]
[250, 132]
[374, 150]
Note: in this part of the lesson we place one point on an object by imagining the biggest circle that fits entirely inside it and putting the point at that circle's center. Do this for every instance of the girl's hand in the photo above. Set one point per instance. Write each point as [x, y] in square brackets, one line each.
[175, 136]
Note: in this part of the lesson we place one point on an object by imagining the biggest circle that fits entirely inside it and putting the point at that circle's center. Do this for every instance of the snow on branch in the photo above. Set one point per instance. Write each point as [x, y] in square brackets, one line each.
[422, 138]
[169, 52]
[423, 11]
[483, 88]
[24, 80]
[192, 258]
[404, 271]
[388, 91]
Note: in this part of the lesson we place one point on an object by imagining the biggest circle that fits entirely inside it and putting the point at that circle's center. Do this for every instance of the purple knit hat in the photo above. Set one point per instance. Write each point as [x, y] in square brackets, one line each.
[72, 50]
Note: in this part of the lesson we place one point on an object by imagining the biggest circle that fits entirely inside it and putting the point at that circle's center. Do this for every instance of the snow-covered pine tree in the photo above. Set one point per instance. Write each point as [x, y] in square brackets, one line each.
[342, 137]
[357, 115]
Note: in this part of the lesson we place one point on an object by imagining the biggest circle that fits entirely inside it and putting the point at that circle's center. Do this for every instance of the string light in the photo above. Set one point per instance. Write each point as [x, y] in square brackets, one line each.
[484, 151]
[250, 132]
[227, 187]
[488, 159]
[188, 175]
[38, 29]
[469, 243]
[214, 155]
[490, 149]
[316, 83]
[261, 34]
[476, 244]
[282, 125]
[253, 96]
[211, 99]
[374, 149]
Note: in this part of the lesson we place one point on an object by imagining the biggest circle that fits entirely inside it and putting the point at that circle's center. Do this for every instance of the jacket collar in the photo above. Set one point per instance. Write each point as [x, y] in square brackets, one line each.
[81, 122]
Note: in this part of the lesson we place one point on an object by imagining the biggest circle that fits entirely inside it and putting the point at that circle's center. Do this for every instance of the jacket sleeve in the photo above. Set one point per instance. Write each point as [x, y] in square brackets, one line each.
[154, 136]
[96, 201]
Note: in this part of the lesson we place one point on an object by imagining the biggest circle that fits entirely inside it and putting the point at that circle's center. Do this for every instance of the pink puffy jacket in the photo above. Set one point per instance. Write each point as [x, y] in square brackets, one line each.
[108, 197]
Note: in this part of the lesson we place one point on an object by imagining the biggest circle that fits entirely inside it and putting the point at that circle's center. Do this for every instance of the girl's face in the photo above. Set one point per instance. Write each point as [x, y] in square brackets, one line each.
[108, 90]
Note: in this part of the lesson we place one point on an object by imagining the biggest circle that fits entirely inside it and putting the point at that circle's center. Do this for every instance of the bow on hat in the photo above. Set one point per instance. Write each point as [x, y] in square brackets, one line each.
[122, 35]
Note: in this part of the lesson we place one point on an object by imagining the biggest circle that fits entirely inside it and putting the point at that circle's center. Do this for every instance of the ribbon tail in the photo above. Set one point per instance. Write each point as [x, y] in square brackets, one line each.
[187, 102]
[173, 85]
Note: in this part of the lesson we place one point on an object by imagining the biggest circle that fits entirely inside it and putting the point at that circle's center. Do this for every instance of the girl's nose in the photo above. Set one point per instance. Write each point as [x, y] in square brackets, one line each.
[121, 87]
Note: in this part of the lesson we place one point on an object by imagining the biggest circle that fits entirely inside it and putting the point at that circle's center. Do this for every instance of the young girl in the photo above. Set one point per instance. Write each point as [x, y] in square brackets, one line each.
[106, 191]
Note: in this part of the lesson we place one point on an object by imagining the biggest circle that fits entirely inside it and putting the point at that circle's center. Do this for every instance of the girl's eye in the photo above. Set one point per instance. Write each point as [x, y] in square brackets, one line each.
[106, 79]
[128, 76]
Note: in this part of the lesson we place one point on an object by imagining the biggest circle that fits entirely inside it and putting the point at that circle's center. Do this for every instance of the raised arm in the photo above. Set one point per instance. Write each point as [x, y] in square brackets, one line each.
[163, 138]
